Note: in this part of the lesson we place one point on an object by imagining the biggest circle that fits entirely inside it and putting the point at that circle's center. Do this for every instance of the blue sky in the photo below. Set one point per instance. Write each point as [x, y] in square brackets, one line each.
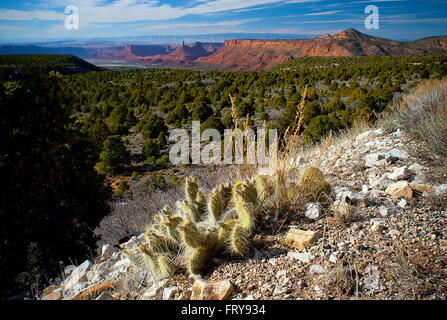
[41, 20]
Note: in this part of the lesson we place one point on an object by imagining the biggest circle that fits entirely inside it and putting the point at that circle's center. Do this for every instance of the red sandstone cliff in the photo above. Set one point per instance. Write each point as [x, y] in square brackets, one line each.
[253, 55]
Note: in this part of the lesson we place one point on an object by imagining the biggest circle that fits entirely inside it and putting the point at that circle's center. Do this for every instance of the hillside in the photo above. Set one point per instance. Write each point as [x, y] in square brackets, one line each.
[382, 238]
[64, 64]
[255, 55]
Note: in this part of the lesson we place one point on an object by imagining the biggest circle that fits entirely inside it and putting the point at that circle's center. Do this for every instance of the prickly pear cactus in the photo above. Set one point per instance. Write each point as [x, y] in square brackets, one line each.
[314, 185]
[199, 230]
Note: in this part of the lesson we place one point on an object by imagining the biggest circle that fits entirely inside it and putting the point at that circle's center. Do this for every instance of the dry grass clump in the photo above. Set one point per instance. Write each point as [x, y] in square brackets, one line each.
[96, 290]
[423, 116]
[285, 188]
[416, 270]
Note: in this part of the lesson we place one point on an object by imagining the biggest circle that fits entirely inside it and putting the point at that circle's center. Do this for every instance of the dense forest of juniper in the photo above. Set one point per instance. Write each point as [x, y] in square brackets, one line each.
[340, 92]
[55, 128]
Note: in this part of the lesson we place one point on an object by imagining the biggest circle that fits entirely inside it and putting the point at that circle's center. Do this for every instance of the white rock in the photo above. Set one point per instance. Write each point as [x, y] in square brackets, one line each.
[249, 297]
[272, 261]
[419, 178]
[133, 242]
[317, 268]
[85, 266]
[402, 203]
[371, 160]
[318, 290]
[68, 270]
[441, 189]
[397, 133]
[416, 168]
[365, 188]
[103, 267]
[313, 210]
[377, 225]
[375, 144]
[169, 293]
[304, 257]
[108, 251]
[90, 275]
[280, 273]
[113, 275]
[363, 135]
[377, 132]
[382, 183]
[122, 266]
[99, 277]
[399, 174]
[155, 291]
[279, 290]
[371, 282]
[383, 211]
[78, 275]
[333, 258]
[396, 153]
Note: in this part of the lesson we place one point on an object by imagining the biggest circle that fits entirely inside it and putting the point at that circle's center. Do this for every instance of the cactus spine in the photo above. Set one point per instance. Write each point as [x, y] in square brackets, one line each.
[313, 184]
[200, 229]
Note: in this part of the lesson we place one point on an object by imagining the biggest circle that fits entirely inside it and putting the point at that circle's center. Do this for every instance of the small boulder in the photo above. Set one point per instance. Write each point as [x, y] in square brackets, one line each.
[383, 211]
[441, 190]
[396, 153]
[304, 257]
[56, 294]
[402, 203]
[155, 292]
[211, 290]
[68, 270]
[313, 210]
[300, 239]
[399, 174]
[78, 275]
[316, 268]
[108, 251]
[169, 293]
[377, 225]
[372, 160]
[416, 168]
[400, 189]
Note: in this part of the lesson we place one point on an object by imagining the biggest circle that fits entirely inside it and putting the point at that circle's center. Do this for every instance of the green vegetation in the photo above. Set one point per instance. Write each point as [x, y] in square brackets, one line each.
[52, 198]
[114, 155]
[65, 64]
[423, 116]
[56, 128]
[341, 91]
[199, 230]
[123, 188]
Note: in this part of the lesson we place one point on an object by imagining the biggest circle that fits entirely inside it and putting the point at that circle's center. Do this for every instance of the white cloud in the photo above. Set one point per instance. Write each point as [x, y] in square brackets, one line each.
[20, 15]
[100, 11]
[322, 13]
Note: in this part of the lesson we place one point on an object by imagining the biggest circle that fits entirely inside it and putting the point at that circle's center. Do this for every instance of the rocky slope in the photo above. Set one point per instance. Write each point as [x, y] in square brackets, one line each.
[254, 55]
[383, 237]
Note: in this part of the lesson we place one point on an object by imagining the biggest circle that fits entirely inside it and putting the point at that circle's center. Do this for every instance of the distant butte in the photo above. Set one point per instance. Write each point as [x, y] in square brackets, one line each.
[255, 55]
